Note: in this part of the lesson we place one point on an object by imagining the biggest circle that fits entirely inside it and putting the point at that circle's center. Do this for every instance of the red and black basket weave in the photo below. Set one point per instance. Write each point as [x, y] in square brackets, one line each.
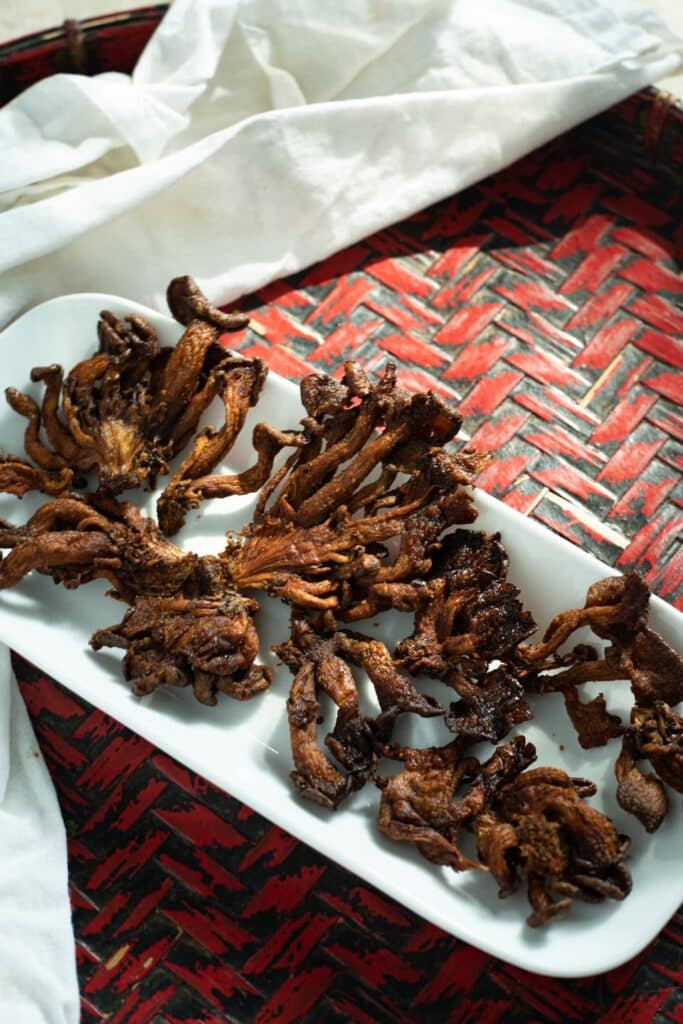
[546, 301]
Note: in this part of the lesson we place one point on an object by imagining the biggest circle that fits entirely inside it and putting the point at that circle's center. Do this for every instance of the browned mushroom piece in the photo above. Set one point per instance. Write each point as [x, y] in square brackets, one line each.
[394, 690]
[639, 792]
[127, 410]
[313, 661]
[351, 430]
[185, 626]
[422, 804]
[319, 662]
[465, 612]
[187, 302]
[324, 534]
[529, 825]
[653, 667]
[76, 539]
[655, 734]
[538, 828]
[334, 564]
[18, 477]
[660, 732]
[208, 643]
[314, 775]
[593, 723]
[195, 481]
[488, 707]
[616, 609]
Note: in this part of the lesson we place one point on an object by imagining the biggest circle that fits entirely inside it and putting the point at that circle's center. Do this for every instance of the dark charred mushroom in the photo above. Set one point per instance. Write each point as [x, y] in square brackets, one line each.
[489, 707]
[538, 828]
[208, 643]
[465, 613]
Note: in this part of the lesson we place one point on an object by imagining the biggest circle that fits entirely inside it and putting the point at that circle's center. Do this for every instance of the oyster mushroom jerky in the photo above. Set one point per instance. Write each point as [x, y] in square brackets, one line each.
[133, 405]
[323, 535]
[616, 609]
[79, 538]
[538, 828]
[208, 643]
[18, 477]
[320, 663]
[530, 825]
[363, 506]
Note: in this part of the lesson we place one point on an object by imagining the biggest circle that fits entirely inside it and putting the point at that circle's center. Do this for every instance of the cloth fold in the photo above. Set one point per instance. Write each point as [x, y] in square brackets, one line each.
[254, 138]
[37, 959]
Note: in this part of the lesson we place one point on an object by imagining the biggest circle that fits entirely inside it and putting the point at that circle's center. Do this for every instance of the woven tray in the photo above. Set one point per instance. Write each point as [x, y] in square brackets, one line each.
[546, 300]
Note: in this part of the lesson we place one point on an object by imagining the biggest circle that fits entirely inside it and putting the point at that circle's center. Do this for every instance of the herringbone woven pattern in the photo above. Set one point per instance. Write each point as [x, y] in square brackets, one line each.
[547, 302]
[190, 908]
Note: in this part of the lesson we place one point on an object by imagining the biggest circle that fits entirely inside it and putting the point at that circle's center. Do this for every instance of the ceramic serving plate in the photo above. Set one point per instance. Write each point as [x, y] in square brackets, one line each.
[244, 748]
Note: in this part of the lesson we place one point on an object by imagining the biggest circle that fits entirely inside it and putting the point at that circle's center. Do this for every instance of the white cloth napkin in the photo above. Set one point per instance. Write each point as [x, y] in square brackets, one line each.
[258, 136]
[37, 963]
[253, 138]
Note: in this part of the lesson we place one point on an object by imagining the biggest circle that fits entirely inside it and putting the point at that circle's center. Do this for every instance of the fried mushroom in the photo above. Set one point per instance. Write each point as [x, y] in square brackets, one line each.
[421, 803]
[616, 609]
[320, 662]
[488, 707]
[466, 614]
[124, 412]
[538, 828]
[655, 734]
[18, 477]
[209, 644]
[360, 510]
[324, 534]
[76, 539]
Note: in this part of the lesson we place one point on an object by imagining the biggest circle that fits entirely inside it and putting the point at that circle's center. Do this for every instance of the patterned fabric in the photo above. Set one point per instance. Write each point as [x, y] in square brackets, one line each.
[546, 301]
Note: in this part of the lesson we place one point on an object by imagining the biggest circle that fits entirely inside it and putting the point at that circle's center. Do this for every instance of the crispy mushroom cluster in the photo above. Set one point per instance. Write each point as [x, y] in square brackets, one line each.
[616, 610]
[360, 502]
[133, 405]
[531, 826]
[363, 507]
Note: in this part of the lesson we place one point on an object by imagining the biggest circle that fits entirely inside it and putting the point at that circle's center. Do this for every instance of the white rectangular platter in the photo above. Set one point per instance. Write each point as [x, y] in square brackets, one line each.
[244, 748]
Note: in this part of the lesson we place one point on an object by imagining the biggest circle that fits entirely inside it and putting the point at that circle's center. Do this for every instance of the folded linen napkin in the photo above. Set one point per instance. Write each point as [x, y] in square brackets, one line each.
[253, 138]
